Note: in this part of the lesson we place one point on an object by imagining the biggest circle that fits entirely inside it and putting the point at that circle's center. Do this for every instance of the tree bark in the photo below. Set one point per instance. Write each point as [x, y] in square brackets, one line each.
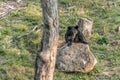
[46, 57]
[86, 26]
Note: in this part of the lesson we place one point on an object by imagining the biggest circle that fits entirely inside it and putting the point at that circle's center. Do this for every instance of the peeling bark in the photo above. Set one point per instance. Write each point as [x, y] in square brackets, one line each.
[46, 57]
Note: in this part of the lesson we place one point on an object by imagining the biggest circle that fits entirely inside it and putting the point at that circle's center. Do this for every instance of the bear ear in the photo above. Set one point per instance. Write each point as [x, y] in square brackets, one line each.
[69, 27]
[76, 27]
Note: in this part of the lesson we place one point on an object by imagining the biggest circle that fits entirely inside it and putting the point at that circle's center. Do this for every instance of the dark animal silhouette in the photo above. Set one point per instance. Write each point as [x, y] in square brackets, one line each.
[73, 34]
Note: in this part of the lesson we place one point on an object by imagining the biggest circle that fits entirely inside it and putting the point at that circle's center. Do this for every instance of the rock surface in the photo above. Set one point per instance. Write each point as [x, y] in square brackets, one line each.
[75, 58]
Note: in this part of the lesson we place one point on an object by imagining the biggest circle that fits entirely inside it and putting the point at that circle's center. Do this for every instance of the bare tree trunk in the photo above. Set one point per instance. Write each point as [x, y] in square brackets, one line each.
[86, 26]
[46, 57]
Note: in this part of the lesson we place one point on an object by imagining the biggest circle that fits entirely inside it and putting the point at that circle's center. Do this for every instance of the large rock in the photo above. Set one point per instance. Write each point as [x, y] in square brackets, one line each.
[75, 58]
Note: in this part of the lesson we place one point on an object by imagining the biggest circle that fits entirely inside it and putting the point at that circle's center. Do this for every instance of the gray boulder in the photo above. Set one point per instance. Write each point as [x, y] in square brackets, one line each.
[75, 58]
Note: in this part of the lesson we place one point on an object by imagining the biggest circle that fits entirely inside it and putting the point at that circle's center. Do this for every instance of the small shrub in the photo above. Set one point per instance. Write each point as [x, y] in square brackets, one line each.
[31, 19]
[14, 14]
[102, 40]
[19, 27]
[5, 31]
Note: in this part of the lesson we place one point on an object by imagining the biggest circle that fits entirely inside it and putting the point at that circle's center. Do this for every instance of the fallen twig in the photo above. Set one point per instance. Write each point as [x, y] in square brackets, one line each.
[36, 28]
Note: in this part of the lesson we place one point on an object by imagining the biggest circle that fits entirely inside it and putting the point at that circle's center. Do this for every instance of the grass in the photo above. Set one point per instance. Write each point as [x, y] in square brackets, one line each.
[17, 58]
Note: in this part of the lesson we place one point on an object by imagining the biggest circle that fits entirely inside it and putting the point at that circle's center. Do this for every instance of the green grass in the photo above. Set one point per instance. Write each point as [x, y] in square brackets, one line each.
[17, 58]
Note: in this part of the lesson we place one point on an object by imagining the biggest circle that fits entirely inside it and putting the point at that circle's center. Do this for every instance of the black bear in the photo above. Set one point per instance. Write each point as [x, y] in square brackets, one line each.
[73, 34]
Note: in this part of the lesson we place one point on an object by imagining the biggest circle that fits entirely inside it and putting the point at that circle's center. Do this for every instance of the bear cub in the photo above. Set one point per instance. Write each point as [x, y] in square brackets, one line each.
[73, 34]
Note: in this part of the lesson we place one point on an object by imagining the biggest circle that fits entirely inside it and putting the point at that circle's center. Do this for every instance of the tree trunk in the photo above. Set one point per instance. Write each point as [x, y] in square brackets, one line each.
[46, 57]
[86, 26]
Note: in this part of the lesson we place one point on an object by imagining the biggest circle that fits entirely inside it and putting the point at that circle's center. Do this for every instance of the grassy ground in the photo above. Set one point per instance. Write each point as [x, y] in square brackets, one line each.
[17, 58]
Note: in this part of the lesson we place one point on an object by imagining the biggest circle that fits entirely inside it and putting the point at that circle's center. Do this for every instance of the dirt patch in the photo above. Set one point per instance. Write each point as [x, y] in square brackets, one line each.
[115, 43]
[109, 71]
[7, 7]
[104, 63]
